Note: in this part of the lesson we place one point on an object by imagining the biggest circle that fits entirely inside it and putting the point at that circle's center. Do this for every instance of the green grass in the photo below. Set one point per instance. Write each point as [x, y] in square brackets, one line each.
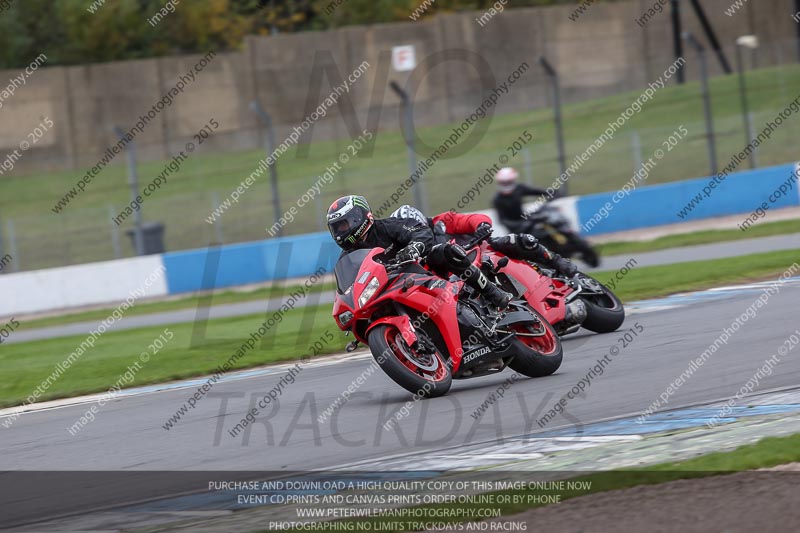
[189, 302]
[767, 452]
[26, 365]
[662, 280]
[769, 229]
[83, 232]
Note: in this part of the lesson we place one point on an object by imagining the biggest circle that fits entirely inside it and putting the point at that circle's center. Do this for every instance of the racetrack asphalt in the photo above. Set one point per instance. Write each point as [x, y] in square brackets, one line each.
[128, 433]
[660, 257]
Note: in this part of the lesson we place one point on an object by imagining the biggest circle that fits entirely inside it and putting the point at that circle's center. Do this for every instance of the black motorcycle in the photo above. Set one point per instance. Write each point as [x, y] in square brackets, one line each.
[552, 229]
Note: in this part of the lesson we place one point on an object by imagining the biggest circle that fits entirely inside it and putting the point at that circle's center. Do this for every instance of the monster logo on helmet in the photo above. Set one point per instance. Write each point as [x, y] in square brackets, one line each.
[349, 219]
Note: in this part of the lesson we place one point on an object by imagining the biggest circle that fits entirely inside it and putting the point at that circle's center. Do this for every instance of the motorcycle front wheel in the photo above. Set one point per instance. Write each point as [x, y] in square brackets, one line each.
[425, 375]
[538, 347]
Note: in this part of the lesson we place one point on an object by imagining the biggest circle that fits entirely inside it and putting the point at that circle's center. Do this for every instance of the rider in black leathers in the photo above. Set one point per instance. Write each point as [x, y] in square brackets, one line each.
[508, 202]
[353, 227]
[509, 199]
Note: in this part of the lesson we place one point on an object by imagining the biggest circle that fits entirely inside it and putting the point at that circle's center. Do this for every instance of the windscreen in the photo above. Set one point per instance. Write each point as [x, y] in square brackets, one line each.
[347, 268]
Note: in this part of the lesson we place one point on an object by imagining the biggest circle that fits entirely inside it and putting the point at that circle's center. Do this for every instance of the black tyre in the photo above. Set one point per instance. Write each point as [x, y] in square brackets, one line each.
[604, 312]
[540, 355]
[426, 375]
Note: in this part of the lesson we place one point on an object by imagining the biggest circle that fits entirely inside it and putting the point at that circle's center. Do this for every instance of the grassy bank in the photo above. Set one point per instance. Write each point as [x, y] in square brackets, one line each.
[45, 238]
[770, 229]
[662, 280]
[189, 302]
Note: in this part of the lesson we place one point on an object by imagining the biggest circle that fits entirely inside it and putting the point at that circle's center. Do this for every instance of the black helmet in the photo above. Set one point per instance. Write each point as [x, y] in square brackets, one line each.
[349, 220]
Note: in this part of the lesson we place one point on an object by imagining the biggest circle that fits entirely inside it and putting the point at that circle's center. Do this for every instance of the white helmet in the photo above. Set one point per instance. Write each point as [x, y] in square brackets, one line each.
[506, 179]
[407, 211]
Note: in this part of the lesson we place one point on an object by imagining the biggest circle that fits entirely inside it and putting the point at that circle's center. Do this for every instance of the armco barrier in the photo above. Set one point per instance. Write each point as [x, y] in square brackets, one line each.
[251, 262]
[658, 205]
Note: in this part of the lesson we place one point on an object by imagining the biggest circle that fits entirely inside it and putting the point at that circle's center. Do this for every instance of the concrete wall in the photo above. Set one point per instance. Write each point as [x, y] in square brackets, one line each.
[601, 53]
[82, 285]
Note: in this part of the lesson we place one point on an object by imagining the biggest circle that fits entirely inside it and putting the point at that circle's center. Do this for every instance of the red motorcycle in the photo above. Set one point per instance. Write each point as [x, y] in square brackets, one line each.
[424, 331]
[568, 304]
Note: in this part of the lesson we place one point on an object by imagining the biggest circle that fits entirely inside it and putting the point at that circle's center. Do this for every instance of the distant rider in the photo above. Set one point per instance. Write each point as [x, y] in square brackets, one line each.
[509, 199]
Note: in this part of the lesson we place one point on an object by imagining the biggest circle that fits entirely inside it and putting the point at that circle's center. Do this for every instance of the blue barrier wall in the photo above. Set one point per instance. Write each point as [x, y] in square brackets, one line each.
[251, 262]
[657, 205]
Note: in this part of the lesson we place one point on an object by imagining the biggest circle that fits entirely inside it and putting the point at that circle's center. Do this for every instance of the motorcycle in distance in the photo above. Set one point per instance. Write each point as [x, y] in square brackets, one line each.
[568, 304]
[552, 228]
[424, 330]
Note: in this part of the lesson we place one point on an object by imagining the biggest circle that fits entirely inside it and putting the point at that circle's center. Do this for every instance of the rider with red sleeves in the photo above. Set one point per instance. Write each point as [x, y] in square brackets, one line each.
[516, 245]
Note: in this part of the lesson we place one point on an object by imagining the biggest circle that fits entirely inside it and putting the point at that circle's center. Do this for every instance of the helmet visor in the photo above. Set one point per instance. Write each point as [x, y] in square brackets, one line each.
[344, 227]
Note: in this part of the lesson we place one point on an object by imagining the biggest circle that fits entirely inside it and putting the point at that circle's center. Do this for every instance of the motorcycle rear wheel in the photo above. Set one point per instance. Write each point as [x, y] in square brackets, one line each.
[604, 313]
[425, 375]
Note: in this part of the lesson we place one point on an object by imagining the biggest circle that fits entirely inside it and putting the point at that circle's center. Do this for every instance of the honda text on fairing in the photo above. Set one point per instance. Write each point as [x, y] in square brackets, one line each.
[424, 330]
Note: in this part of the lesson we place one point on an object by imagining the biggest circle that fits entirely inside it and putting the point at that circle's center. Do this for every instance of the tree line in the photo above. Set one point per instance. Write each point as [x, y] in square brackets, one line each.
[71, 32]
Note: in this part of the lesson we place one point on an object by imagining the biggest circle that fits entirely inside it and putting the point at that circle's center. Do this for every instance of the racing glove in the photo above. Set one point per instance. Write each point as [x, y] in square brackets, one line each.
[483, 230]
[412, 252]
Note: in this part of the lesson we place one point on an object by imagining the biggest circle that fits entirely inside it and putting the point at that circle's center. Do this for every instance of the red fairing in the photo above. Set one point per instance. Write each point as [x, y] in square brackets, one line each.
[438, 304]
[545, 294]
[435, 299]
[459, 224]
